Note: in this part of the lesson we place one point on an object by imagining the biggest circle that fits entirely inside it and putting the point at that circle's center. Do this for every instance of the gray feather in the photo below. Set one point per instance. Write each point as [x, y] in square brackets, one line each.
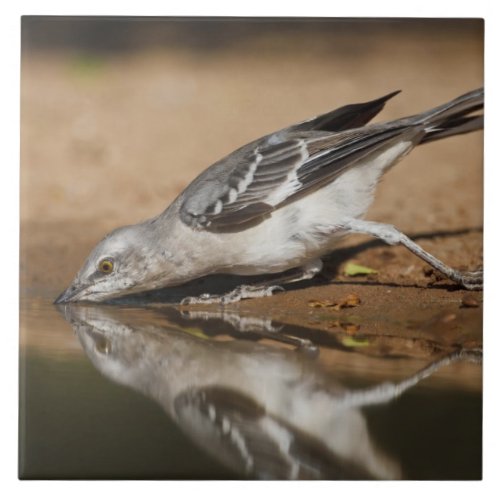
[244, 188]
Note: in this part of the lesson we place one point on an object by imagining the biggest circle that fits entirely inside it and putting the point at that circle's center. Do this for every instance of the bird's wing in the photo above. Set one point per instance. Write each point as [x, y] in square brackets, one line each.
[344, 118]
[244, 188]
[264, 158]
[245, 437]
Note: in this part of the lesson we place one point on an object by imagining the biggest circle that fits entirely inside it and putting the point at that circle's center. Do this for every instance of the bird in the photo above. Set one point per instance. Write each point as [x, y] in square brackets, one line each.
[275, 206]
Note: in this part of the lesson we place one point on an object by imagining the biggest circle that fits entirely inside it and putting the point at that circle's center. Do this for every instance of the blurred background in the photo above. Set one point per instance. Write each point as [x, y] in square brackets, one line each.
[118, 115]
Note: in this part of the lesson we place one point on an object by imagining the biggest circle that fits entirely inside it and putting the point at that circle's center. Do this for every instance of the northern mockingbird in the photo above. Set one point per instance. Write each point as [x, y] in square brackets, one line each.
[277, 204]
[263, 411]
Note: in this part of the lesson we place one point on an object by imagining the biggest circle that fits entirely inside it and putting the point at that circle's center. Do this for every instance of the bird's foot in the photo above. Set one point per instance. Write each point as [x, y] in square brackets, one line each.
[472, 280]
[239, 293]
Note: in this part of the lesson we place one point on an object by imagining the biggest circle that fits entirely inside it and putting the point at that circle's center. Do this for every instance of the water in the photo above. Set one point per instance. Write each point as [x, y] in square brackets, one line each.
[124, 392]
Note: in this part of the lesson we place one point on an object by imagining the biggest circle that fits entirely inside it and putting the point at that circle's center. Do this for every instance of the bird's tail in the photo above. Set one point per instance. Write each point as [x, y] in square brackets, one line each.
[453, 118]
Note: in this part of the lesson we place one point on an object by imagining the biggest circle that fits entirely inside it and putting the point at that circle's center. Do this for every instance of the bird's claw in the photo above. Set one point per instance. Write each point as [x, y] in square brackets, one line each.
[204, 298]
[472, 280]
[249, 292]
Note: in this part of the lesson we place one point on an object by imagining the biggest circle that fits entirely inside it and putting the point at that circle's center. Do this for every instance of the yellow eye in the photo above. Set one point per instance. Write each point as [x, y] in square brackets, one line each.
[106, 266]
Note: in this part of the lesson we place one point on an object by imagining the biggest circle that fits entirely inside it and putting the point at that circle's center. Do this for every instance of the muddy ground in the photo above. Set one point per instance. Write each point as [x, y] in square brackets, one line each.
[111, 139]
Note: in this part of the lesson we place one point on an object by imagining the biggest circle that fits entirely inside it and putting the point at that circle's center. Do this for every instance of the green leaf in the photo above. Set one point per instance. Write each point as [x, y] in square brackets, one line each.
[352, 269]
[353, 342]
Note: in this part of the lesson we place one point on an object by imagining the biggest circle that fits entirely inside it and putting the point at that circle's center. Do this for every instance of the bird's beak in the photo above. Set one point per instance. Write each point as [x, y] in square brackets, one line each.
[71, 293]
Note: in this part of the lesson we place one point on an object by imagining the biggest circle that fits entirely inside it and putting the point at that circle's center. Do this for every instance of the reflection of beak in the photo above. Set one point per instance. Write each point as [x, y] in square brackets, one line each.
[65, 310]
[77, 314]
[71, 293]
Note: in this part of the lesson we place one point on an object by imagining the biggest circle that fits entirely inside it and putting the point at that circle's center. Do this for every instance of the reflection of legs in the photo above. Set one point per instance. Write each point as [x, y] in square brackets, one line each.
[263, 289]
[261, 326]
[387, 391]
[470, 280]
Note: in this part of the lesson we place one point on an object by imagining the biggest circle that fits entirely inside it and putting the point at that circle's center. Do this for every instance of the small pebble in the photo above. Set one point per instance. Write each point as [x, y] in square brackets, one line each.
[469, 300]
[448, 317]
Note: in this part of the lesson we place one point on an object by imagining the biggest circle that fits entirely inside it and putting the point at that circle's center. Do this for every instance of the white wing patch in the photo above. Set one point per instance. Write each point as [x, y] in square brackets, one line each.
[270, 178]
[244, 183]
[232, 195]
[291, 184]
[217, 207]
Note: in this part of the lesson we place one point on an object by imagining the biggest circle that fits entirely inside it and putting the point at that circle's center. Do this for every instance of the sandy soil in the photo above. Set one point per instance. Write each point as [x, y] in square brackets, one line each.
[111, 140]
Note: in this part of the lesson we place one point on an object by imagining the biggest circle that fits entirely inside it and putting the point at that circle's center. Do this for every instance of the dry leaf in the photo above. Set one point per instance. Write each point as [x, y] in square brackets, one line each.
[350, 328]
[352, 300]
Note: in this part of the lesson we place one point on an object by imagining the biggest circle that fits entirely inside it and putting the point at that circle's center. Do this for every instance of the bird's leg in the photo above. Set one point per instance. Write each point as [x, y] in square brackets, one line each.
[472, 280]
[306, 272]
[262, 289]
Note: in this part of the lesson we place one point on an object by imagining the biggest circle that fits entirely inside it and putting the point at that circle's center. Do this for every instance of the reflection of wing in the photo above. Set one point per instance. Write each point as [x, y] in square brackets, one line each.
[242, 435]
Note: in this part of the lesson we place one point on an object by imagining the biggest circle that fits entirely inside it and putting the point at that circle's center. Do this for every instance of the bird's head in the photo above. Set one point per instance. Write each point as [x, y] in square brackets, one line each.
[126, 261]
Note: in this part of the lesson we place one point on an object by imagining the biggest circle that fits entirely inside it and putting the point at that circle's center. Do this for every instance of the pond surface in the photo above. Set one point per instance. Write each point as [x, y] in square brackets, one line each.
[163, 393]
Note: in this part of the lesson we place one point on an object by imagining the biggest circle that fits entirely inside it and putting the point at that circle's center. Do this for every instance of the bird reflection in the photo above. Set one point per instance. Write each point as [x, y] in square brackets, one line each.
[264, 411]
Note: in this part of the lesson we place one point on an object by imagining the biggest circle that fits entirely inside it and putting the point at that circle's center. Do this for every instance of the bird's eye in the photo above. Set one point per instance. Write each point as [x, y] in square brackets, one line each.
[106, 266]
